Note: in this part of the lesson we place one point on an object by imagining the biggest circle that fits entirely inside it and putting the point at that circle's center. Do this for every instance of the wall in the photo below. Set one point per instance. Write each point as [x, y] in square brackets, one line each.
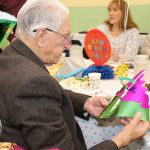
[86, 14]
[86, 3]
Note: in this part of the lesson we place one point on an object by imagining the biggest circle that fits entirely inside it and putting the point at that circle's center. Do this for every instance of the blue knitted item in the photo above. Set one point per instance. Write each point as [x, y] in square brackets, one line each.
[106, 71]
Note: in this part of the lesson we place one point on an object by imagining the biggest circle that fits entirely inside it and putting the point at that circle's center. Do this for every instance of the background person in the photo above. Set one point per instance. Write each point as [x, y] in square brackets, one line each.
[123, 35]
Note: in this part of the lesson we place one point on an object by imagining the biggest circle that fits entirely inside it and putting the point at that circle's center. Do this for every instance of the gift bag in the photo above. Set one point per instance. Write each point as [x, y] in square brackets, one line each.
[133, 97]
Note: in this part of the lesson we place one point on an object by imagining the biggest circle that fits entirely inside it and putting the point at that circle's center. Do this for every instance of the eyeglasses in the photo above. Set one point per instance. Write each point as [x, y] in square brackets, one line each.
[68, 39]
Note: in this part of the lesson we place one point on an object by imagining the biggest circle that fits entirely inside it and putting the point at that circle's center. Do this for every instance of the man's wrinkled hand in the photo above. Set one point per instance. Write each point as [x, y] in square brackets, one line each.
[134, 129]
[95, 105]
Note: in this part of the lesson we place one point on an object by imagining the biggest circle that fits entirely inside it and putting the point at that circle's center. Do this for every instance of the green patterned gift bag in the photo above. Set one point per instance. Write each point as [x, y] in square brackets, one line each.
[7, 23]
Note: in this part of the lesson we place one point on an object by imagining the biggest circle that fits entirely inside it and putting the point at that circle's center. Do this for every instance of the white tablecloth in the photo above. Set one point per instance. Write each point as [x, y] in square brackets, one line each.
[96, 131]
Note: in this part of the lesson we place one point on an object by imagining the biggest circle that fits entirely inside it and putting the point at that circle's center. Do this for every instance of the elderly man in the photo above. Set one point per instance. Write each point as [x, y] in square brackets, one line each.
[35, 111]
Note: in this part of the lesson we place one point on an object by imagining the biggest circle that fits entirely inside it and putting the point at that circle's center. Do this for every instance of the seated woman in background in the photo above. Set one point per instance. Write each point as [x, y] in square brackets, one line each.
[145, 50]
[121, 30]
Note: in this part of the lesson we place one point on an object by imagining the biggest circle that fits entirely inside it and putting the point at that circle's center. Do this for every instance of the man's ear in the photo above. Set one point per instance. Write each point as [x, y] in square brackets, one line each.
[40, 37]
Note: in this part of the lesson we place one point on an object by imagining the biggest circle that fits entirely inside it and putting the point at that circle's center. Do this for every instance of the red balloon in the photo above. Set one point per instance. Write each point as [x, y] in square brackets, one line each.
[97, 46]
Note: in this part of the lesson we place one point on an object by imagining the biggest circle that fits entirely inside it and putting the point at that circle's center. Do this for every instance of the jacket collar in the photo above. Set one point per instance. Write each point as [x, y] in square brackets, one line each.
[24, 50]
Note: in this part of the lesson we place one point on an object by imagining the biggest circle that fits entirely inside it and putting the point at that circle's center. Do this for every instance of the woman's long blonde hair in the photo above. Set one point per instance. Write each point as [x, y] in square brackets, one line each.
[122, 5]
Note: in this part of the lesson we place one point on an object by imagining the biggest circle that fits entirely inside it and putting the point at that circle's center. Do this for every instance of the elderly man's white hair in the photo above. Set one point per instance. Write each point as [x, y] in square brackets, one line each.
[40, 14]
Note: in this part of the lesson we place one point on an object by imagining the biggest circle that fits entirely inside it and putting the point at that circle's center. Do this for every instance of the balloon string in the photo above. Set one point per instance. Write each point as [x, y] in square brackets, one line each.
[125, 25]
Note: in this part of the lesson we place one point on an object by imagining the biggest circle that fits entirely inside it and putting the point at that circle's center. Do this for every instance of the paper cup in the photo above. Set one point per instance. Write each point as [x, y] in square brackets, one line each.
[94, 80]
[141, 57]
[140, 63]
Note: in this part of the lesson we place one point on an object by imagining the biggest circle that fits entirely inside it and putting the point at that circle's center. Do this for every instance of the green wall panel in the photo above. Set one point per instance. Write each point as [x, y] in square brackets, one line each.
[141, 15]
[84, 18]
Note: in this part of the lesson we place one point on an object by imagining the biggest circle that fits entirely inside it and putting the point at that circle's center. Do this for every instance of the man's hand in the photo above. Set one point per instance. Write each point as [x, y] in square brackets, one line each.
[134, 129]
[95, 105]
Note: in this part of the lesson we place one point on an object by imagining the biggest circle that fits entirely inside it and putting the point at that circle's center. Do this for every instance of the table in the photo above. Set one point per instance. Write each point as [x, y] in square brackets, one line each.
[96, 131]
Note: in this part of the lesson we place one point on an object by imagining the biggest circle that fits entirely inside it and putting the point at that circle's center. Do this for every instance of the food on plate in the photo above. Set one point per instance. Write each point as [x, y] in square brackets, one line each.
[74, 82]
[7, 146]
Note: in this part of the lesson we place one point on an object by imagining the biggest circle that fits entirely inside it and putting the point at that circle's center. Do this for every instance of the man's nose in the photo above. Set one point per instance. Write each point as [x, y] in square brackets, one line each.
[67, 45]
